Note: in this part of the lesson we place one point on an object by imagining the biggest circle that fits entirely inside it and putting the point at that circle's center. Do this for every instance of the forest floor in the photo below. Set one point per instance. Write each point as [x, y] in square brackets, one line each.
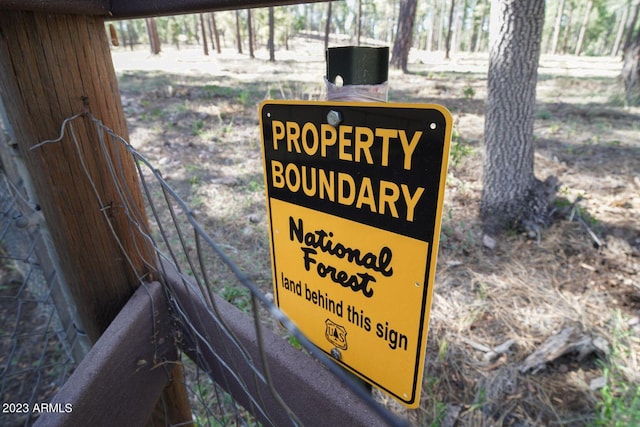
[495, 302]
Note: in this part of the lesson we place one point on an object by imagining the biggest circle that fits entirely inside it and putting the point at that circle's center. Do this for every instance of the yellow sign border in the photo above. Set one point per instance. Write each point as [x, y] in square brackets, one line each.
[411, 401]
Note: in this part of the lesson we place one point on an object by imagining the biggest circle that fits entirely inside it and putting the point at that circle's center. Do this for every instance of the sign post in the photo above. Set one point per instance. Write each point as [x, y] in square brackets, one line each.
[354, 194]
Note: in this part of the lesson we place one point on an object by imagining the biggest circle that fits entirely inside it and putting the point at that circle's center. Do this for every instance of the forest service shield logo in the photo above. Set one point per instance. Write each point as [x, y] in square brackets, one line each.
[336, 334]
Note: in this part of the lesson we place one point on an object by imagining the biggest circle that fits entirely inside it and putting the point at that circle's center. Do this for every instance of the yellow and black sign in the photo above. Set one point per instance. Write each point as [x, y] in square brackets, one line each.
[354, 193]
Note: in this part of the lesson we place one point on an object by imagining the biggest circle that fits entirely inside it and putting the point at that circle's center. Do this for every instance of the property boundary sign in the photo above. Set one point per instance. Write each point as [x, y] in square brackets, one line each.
[354, 196]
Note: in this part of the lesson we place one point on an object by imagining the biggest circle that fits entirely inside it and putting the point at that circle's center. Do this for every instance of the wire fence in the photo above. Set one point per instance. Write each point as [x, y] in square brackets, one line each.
[188, 255]
[40, 344]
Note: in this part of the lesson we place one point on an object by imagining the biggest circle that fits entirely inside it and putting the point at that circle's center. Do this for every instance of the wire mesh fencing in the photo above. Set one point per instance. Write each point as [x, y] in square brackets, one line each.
[228, 373]
[40, 343]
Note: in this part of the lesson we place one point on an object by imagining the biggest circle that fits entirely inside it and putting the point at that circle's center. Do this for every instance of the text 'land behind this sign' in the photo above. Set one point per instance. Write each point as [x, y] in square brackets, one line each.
[354, 194]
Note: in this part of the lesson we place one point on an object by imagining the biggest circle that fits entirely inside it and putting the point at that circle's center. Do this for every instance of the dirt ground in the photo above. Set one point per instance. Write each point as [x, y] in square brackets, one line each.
[495, 301]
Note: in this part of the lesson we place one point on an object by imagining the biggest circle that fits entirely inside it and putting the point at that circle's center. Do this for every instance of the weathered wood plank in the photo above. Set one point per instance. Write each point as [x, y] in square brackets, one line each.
[120, 380]
[80, 7]
[313, 393]
[52, 67]
[123, 9]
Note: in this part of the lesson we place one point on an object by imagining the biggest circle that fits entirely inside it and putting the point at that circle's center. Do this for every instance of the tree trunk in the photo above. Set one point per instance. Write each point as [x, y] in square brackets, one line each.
[512, 197]
[359, 19]
[567, 28]
[447, 44]
[404, 35]
[481, 32]
[583, 28]
[631, 71]
[238, 35]
[133, 36]
[327, 27]
[464, 43]
[51, 68]
[556, 28]
[250, 28]
[272, 30]
[123, 34]
[440, 27]
[621, 28]
[204, 36]
[216, 35]
[154, 39]
[631, 27]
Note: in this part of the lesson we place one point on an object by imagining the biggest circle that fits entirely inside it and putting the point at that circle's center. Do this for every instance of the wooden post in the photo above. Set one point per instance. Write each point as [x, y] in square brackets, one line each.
[52, 67]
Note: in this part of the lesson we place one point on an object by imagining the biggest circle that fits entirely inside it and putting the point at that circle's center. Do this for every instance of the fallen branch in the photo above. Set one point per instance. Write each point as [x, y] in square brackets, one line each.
[564, 342]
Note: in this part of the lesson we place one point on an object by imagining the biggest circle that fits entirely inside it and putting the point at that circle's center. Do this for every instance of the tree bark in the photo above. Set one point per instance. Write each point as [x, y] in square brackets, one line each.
[250, 28]
[556, 28]
[205, 45]
[631, 71]
[327, 28]
[567, 28]
[216, 35]
[631, 28]
[133, 36]
[154, 39]
[619, 33]
[512, 197]
[238, 35]
[271, 44]
[483, 19]
[123, 34]
[447, 44]
[583, 28]
[359, 19]
[404, 35]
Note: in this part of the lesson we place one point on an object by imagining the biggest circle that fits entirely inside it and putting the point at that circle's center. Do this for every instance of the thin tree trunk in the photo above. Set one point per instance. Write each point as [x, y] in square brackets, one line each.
[210, 27]
[132, 34]
[238, 36]
[556, 28]
[567, 28]
[359, 19]
[271, 43]
[631, 27]
[483, 21]
[616, 44]
[631, 71]
[154, 39]
[440, 27]
[404, 34]
[216, 35]
[583, 28]
[204, 36]
[449, 30]
[196, 33]
[327, 27]
[250, 28]
[430, 32]
[123, 34]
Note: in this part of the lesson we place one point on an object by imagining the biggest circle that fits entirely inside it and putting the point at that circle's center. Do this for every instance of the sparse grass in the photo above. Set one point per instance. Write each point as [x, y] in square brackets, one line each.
[523, 290]
[469, 92]
[459, 149]
[619, 404]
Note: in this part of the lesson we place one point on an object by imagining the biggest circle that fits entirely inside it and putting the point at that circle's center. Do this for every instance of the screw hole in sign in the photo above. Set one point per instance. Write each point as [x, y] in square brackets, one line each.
[432, 126]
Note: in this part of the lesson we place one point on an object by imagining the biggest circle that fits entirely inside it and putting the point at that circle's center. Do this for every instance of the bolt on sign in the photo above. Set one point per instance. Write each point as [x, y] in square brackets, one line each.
[354, 194]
